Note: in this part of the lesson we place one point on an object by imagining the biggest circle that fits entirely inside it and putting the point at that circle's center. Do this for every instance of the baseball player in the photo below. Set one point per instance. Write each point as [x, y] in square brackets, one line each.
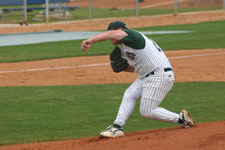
[143, 56]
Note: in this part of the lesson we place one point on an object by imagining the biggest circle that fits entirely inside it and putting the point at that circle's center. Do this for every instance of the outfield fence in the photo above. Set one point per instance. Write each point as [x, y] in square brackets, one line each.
[36, 11]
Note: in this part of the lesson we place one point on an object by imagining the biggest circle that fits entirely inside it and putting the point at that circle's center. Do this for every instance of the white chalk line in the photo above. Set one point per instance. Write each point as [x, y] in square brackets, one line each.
[198, 55]
[55, 68]
[103, 64]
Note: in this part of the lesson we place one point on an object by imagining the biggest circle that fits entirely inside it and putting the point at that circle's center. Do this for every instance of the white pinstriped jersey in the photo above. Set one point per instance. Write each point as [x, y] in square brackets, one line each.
[147, 59]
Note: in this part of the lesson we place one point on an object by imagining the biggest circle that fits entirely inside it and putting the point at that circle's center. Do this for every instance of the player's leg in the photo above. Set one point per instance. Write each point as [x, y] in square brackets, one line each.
[155, 88]
[130, 97]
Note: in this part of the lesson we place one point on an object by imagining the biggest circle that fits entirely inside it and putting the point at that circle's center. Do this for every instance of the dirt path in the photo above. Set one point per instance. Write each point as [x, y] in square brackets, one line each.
[206, 136]
[189, 66]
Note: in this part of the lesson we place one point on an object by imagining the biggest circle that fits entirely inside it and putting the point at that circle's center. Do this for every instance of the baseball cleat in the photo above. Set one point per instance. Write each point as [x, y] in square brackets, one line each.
[111, 132]
[187, 120]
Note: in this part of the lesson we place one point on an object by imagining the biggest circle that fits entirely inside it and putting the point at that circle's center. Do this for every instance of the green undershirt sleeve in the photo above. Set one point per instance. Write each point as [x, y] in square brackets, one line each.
[134, 39]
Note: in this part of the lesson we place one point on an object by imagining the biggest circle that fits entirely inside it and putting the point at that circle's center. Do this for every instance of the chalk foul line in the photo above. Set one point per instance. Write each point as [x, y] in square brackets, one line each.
[54, 68]
[103, 64]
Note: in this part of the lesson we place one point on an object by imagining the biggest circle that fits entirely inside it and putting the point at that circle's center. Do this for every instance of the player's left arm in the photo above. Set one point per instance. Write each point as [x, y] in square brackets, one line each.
[129, 69]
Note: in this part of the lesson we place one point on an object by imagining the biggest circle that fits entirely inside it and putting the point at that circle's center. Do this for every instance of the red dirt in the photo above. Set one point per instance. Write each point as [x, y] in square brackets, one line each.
[207, 136]
[195, 68]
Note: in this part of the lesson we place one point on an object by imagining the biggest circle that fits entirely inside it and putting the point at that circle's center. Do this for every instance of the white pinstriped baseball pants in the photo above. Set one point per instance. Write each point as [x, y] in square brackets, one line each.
[152, 91]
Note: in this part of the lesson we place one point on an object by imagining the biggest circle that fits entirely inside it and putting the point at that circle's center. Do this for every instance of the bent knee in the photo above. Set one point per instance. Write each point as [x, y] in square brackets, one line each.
[146, 113]
[130, 95]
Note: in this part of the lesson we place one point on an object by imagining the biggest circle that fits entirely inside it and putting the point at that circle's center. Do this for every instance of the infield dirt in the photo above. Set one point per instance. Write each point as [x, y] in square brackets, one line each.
[197, 65]
[206, 136]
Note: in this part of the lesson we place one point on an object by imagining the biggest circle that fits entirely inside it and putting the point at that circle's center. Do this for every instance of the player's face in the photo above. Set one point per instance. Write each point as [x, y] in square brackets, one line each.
[115, 42]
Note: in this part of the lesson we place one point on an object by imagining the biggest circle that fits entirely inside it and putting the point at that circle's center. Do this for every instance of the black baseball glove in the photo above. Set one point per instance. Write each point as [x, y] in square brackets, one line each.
[118, 63]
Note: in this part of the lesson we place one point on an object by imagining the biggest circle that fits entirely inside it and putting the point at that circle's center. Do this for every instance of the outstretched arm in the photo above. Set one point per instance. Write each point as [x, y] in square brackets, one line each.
[108, 35]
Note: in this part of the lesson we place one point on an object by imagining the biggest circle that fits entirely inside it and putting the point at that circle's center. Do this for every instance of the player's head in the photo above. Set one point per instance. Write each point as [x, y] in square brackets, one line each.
[116, 25]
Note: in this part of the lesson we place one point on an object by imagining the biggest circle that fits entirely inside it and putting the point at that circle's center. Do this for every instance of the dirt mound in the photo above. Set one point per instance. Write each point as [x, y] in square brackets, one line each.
[205, 136]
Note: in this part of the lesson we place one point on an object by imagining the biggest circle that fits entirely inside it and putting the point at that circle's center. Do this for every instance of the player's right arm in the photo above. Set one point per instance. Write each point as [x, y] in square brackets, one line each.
[108, 35]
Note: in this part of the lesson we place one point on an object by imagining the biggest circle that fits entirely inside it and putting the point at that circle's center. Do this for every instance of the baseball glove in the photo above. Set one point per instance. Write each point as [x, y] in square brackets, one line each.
[118, 63]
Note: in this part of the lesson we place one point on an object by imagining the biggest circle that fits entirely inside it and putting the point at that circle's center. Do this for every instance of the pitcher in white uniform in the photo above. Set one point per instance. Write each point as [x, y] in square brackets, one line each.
[155, 78]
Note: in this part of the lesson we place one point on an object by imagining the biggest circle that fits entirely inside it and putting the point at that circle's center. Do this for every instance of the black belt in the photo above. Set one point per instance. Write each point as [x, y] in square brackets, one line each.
[153, 72]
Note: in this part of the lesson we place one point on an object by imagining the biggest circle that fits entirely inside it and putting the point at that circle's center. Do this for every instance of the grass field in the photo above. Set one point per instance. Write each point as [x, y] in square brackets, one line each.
[200, 38]
[83, 13]
[32, 114]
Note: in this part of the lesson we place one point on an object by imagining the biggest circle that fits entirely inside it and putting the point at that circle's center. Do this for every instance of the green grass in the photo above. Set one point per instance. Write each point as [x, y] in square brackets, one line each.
[205, 35]
[33, 114]
[83, 13]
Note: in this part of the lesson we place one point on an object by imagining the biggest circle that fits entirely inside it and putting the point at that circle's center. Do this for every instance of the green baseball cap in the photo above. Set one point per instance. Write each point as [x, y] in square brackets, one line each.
[116, 24]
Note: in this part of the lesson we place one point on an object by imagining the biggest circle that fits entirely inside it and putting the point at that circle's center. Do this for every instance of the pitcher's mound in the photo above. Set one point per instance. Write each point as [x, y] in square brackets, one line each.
[205, 136]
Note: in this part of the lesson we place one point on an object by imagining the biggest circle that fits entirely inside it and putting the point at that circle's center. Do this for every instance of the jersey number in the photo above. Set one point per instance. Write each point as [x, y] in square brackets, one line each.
[159, 49]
